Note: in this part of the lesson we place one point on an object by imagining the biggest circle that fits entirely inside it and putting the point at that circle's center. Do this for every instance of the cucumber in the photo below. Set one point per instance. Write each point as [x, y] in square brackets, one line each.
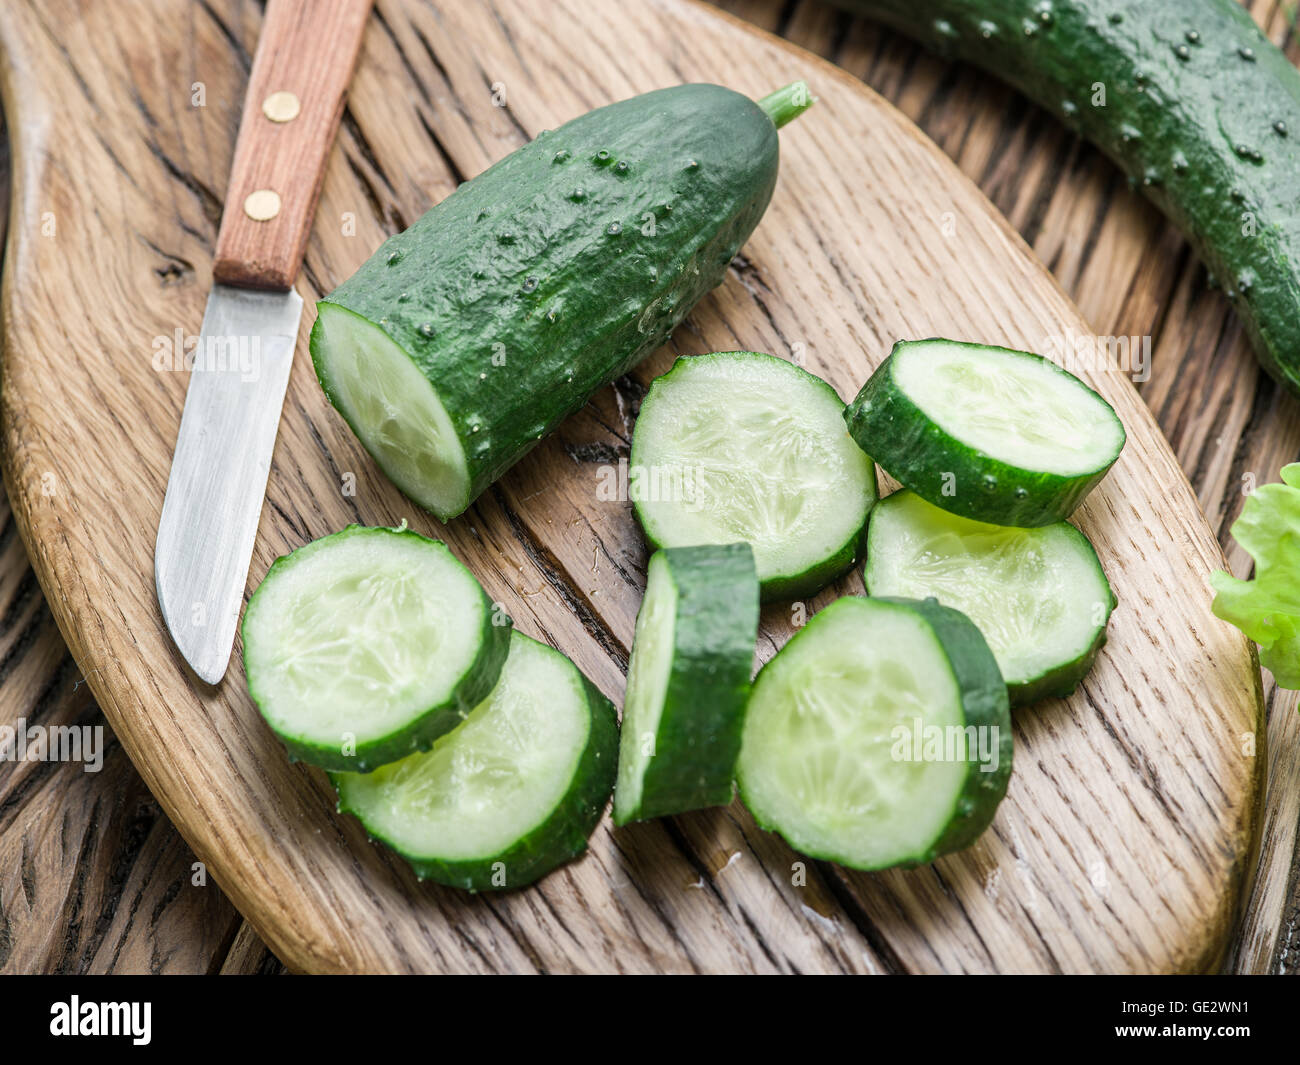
[688, 681]
[366, 645]
[878, 736]
[1199, 109]
[467, 338]
[1039, 596]
[514, 792]
[992, 434]
[738, 445]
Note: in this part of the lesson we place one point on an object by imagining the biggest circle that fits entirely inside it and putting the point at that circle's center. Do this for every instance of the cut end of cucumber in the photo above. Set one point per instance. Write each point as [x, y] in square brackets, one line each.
[1039, 596]
[647, 685]
[756, 451]
[819, 760]
[492, 781]
[353, 638]
[394, 410]
[1017, 408]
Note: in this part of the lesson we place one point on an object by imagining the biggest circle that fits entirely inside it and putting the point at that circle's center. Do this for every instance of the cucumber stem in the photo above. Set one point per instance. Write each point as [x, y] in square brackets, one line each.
[787, 103]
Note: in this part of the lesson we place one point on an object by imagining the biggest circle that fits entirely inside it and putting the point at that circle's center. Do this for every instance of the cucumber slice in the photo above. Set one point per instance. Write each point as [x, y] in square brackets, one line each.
[366, 645]
[514, 792]
[688, 681]
[742, 446]
[1039, 596]
[992, 434]
[878, 736]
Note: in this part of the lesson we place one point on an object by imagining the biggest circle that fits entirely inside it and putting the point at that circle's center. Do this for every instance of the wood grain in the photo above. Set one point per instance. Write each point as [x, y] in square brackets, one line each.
[889, 58]
[306, 49]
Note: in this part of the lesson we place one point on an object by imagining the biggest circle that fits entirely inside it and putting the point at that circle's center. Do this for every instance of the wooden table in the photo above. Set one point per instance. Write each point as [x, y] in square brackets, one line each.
[93, 878]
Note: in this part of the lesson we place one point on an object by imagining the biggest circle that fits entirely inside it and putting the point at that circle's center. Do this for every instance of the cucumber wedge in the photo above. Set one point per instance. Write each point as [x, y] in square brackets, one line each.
[878, 736]
[688, 681]
[1039, 596]
[366, 645]
[742, 446]
[514, 792]
[988, 433]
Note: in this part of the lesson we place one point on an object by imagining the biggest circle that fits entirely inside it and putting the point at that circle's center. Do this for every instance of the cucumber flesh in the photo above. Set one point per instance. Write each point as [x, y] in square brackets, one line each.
[1039, 596]
[1010, 406]
[394, 409]
[647, 685]
[509, 795]
[822, 760]
[752, 448]
[368, 644]
[688, 682]
[996, 435]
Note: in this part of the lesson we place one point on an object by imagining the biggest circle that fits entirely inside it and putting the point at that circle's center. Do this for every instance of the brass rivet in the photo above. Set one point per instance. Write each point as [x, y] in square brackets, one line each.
[262, 205]
[281, 107]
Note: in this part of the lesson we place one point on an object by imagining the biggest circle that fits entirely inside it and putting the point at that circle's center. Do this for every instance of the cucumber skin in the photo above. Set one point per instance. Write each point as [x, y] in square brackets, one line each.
[703, 716]
[1053, 683]
[1174, 116]
[562, 837]
[774, 589]
[984, 703]
[984, 699]
[599, 303]
[913, 450]
[419, 735]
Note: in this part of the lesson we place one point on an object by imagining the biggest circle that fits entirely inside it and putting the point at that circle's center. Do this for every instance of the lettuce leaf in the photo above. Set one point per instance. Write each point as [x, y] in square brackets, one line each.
[1267, 609]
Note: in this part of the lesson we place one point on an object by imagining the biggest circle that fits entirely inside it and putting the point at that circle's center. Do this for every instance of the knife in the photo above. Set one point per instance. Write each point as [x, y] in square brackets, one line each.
[244, 350]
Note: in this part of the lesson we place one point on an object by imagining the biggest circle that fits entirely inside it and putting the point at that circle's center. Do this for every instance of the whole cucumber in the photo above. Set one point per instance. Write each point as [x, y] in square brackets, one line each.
[1190, 99]
[467, 338]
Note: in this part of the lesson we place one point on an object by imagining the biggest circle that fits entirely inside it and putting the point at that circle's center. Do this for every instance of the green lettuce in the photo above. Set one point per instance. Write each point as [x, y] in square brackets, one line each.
[1267, 609]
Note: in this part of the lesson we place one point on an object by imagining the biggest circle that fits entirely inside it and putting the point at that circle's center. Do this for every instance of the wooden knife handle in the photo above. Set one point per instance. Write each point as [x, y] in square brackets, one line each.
[304, 59]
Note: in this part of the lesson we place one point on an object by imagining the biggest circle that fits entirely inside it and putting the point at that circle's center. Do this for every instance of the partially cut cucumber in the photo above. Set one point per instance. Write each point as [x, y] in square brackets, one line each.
[1039, 596]
[366, 645]
[514, 792]
[688, 681]
[742, 446]
[992, 434]
[878, 736]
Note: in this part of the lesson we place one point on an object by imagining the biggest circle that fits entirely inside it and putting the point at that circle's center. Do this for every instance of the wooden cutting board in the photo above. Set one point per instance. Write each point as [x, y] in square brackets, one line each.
[1132, 813]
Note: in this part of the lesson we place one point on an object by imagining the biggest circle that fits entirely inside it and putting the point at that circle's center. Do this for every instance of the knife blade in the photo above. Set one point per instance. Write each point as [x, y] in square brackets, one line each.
[220, 467]
[244, 352]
